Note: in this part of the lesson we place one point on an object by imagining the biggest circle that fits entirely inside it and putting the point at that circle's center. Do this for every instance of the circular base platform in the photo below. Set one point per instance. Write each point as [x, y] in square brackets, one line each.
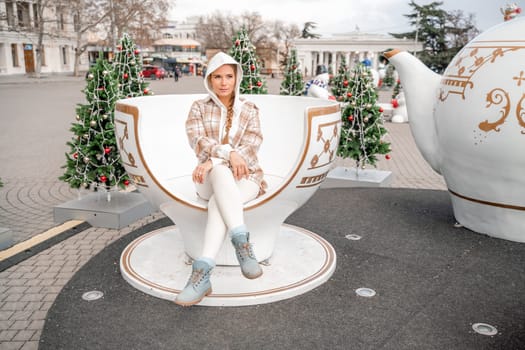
[156, 264]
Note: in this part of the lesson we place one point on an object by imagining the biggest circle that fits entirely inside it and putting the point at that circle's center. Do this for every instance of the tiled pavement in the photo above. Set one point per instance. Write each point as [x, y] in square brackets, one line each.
[28, 289]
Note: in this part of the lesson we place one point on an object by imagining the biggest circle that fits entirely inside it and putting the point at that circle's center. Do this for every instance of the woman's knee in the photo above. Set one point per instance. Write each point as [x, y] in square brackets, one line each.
[220, 170]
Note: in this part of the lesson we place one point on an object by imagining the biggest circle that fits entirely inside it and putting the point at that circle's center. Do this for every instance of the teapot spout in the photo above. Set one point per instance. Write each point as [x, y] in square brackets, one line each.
[420, 85]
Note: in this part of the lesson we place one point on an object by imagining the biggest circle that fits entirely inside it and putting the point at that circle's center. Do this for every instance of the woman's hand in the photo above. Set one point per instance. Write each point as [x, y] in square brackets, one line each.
[201, 171]
[238, 165]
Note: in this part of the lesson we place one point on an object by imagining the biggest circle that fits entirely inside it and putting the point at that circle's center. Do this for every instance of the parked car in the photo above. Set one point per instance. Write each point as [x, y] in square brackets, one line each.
[154, 72]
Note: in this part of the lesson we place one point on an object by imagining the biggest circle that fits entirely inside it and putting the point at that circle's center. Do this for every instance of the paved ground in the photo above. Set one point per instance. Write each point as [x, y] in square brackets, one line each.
[433, 282]
[35, 120]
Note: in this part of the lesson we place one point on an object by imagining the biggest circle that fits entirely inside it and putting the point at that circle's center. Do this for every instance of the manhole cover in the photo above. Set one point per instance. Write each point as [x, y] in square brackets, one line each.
[92, 295]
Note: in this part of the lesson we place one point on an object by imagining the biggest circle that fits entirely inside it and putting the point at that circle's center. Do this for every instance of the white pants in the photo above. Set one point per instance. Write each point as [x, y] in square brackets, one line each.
[226, 197]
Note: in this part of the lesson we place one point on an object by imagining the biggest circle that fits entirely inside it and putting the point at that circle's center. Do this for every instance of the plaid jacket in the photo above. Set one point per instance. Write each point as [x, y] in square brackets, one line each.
[204, 128]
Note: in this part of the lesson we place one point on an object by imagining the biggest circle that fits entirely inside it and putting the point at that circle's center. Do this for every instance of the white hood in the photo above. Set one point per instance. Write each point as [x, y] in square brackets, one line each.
[216, 61]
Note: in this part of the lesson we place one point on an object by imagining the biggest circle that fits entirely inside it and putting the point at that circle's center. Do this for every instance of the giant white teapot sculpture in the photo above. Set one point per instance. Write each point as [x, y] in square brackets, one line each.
[469, 124]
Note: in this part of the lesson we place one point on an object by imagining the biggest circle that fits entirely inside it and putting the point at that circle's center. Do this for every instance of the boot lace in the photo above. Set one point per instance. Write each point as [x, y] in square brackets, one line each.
[197, 276]
[244, 251]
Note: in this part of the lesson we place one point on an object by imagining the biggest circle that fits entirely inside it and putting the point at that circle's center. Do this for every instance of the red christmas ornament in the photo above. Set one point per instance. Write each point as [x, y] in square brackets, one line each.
[351, 118]
[387, 156]
[252, 67]
[75, 155]
[103, 178]
[331, 97]
[119, 47]
[125, 75]
[136, 52]
[237, 42]
[345, 83]
[381, 109]
[101, 88]
[146, 91]
[107, 150]
[349, 94]
[259, 84]
[394, 103]
[126, 182]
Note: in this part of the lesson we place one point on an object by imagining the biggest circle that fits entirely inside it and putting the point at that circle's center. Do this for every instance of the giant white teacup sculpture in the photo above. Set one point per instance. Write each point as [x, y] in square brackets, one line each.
[469, 124]
[301, 136]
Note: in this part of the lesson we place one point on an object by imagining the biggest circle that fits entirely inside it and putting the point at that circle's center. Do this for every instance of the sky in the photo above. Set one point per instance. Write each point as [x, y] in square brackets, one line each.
[342, 16]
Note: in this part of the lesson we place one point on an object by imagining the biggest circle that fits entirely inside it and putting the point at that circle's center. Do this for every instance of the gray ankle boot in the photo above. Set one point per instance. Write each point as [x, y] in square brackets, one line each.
[198, 285]
[243, 249]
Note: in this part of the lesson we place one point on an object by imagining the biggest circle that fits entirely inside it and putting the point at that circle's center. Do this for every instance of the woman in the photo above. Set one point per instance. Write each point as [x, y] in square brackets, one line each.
[224, 132]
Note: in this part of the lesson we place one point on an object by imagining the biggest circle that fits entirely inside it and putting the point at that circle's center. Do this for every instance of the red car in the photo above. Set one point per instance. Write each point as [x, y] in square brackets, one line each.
[154, 72]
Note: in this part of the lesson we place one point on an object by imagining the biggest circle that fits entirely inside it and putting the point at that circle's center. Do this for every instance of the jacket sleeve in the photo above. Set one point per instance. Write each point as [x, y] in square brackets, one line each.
[251, 139]
[201, 144]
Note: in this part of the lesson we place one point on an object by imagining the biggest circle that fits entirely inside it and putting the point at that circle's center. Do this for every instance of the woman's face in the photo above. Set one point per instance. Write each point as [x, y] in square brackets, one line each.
[223, 81]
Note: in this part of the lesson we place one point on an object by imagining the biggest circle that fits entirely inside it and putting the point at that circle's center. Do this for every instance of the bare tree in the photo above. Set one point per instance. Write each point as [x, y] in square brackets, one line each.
[217, 30]
[47, 22]
[284, 34]
[461, 28]
[139, 18]
[87, 15]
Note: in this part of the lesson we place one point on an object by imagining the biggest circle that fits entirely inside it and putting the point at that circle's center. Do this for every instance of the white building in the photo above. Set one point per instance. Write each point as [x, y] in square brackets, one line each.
[19, 36]
[178, 43]
[354, 47]
[180, 30]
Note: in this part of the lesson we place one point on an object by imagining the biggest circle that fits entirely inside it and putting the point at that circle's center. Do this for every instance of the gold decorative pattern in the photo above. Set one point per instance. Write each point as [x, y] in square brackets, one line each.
[459, 75]
[519, 79]
[496, 96]
[131, 160]
[138, 180]
[520, 113]
[310, 181]
[330, 143]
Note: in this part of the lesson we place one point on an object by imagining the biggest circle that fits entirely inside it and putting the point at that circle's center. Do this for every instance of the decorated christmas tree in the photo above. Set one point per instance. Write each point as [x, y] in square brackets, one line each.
[389, 80]
[340, 83]
[94, 160]
[127, 65]
[362, 132]
[292, 84]
[243, 52]
[397, 89]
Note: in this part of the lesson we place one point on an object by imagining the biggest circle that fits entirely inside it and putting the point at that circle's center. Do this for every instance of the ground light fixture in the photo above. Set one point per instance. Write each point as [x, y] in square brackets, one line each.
[92, 295]
[365, 292]
[484, 329]
[353, 237]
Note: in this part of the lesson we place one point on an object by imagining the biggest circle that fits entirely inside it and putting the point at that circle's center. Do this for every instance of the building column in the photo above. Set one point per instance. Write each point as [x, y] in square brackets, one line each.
[334, 62]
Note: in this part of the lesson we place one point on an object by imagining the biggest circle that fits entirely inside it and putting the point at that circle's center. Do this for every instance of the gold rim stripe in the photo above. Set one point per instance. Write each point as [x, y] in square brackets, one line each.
[494, 204]
[329, 251]
[312, 113]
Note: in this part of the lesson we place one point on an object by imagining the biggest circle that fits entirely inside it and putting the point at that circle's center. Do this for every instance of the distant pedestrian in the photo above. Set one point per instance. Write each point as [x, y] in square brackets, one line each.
[203, 71]
[176, 73]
